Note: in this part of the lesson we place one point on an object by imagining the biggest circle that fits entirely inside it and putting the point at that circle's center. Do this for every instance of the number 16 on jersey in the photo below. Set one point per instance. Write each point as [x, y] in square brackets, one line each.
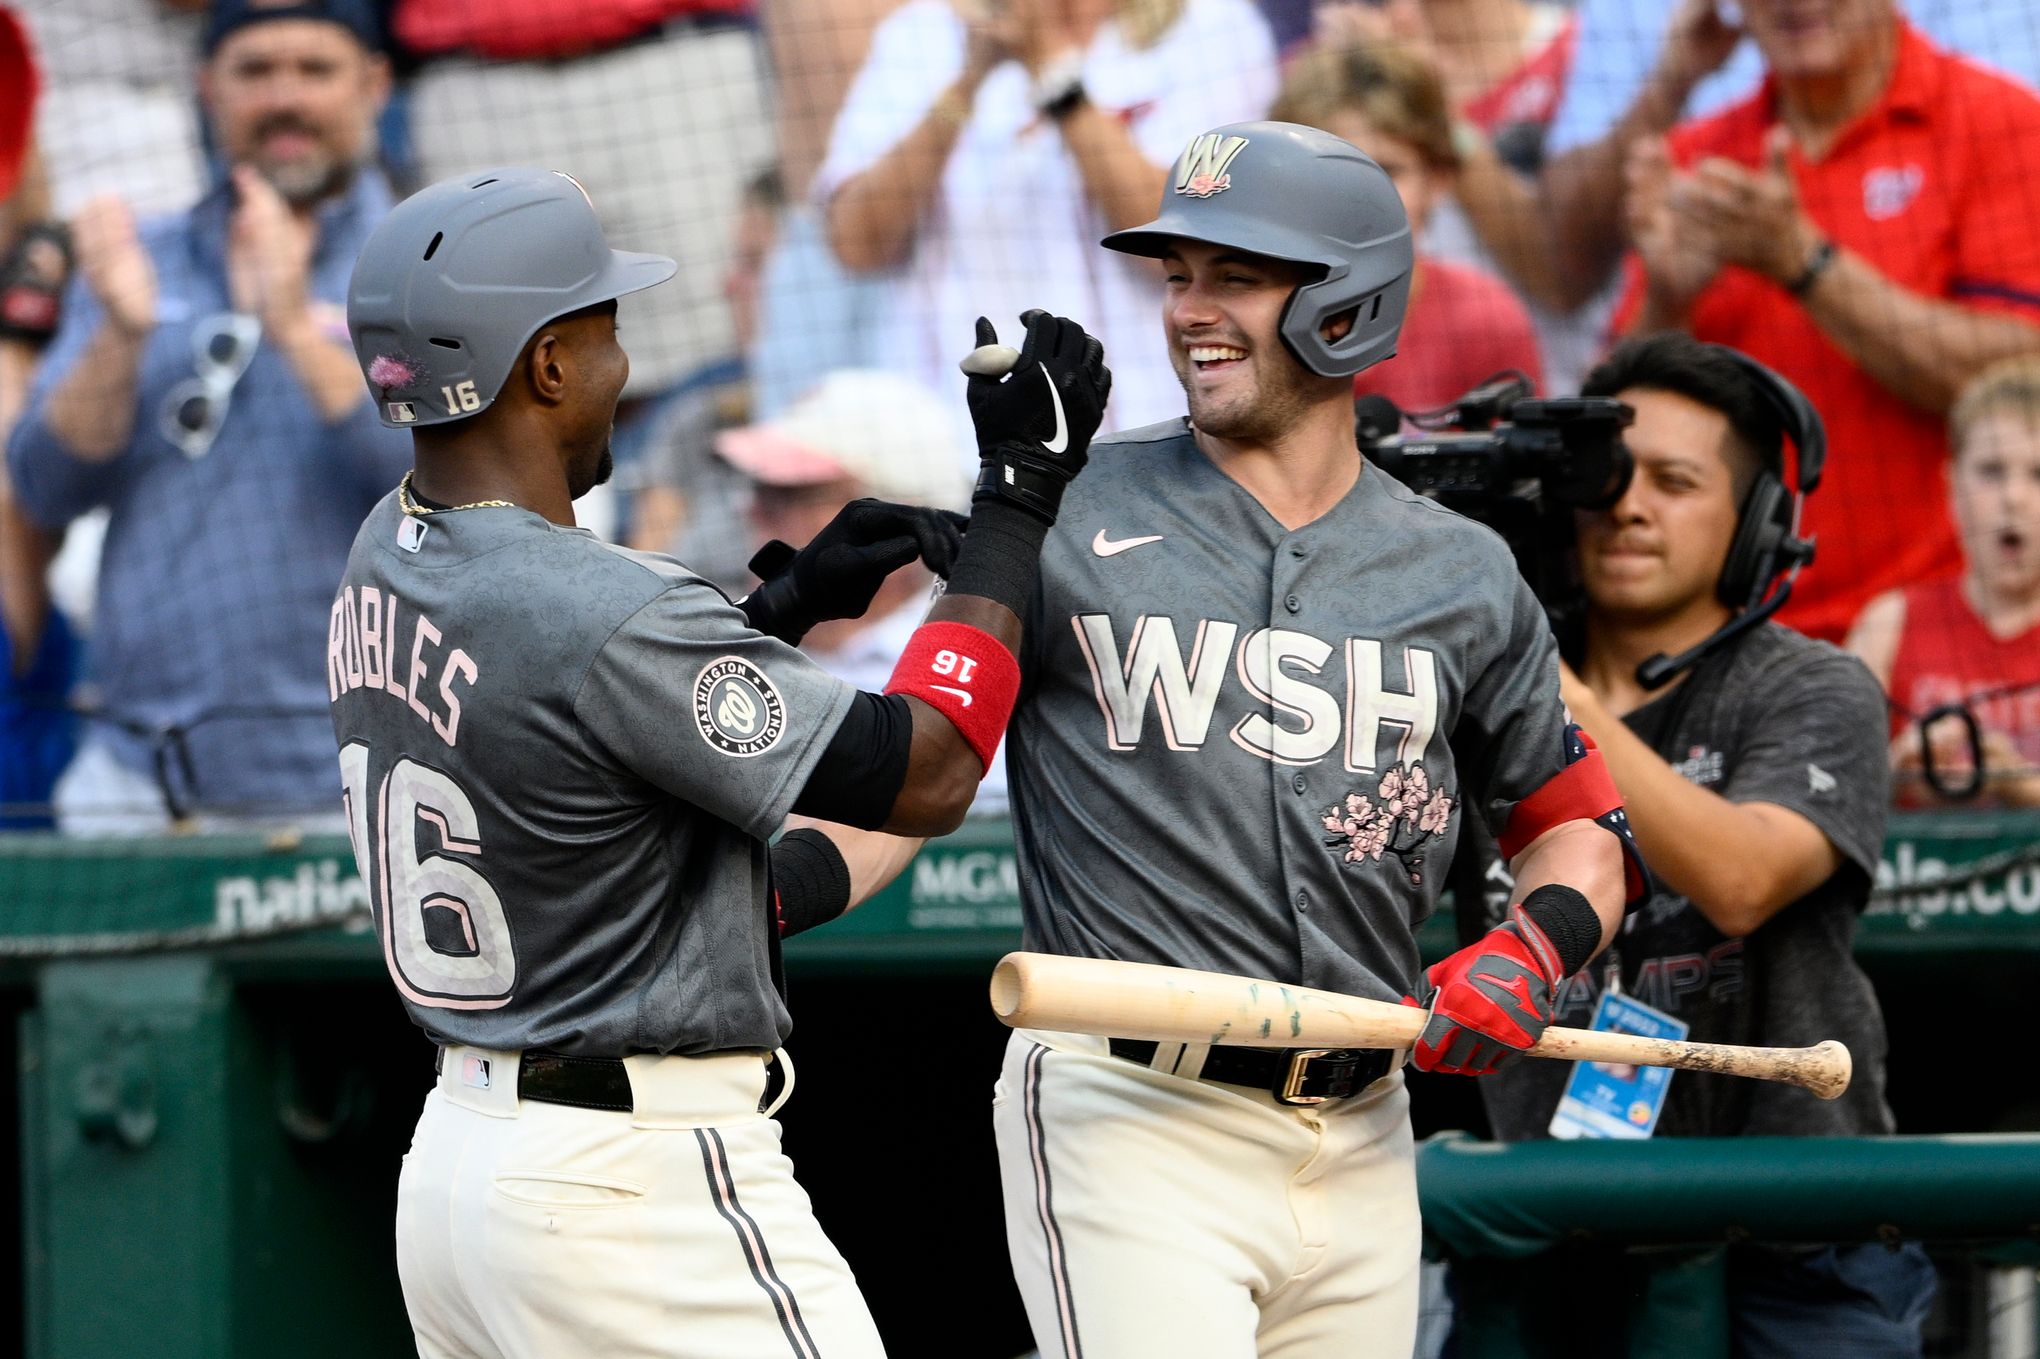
[444, 934]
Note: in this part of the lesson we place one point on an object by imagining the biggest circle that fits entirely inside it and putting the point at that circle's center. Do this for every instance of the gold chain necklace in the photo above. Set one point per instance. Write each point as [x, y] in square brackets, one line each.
[413, 508]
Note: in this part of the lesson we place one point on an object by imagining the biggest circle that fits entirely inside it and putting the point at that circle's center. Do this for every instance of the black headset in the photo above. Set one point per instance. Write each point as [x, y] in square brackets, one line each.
[1767, 552]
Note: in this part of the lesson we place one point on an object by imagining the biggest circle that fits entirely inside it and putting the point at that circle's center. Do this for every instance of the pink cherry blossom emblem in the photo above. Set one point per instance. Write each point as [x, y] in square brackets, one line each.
[1407, 816]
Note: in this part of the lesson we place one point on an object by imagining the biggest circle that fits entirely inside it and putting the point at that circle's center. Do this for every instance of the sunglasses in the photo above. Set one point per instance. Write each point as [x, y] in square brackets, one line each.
[222, 347]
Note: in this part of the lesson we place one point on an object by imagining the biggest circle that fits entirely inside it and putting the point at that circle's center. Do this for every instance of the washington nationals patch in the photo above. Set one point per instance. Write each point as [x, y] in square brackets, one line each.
[737, 708]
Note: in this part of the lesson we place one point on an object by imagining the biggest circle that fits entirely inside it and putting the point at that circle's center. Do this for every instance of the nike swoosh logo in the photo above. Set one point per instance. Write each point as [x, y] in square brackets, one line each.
[963, 694]
[1106, 547]
[1061, 440]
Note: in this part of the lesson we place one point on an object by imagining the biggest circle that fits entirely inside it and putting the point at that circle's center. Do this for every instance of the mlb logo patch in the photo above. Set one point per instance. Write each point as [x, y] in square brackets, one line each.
[411, 534]
[1890, 190]
[474, 1072]
[403, 412]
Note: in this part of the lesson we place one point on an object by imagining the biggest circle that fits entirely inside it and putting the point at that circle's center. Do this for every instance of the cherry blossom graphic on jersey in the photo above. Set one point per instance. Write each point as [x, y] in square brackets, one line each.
[1404, 814]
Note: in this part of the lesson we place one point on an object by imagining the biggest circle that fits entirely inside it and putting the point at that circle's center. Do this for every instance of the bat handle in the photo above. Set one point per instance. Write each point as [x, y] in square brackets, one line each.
[1825, 1068]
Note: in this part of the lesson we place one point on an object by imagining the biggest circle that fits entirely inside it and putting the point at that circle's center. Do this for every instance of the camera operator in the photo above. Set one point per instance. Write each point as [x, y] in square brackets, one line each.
[1756, 785]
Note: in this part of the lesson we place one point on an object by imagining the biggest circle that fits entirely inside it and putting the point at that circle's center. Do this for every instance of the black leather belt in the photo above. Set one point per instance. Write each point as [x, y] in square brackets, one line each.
[1292, 1075]
[583, 1082]
[591, 1082]
[556, 1078]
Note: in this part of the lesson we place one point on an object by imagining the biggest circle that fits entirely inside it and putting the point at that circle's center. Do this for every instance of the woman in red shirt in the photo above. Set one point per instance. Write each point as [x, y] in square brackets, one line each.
[1974, 639]
[1463, 325]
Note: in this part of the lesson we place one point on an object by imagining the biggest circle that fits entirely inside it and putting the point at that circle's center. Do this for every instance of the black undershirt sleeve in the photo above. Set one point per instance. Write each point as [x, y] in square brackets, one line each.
[860, 774]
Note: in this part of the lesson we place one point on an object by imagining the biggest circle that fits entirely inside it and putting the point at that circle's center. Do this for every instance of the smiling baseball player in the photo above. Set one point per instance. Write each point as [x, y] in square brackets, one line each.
[1265, 680]
[562, 761]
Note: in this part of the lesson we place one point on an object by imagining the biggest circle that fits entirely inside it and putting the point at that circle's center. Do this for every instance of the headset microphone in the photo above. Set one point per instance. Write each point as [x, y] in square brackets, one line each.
[1659, 670]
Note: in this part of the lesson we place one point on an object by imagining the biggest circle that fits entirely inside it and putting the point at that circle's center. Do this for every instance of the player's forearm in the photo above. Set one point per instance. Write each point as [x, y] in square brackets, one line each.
[1580, 855]
[1921, 349]
[873, 217]
[960, 672]
[873, 858]
[91, 411]
[943, 768]
[1124, 184]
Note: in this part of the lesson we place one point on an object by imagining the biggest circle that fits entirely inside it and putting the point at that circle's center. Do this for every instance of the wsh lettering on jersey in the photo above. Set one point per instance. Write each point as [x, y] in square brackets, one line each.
[1325, 698]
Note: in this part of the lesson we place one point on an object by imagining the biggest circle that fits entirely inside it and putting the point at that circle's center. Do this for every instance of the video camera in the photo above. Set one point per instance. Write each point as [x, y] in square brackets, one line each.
[1520, 466]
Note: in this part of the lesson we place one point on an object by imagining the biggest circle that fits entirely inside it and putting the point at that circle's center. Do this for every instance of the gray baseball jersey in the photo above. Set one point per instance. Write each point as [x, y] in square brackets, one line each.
[1246, 749]
[560, 761]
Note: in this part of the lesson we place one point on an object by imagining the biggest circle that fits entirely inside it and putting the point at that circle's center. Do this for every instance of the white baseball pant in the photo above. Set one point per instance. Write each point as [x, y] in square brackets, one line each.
[1148, 1214]
[528, 1230]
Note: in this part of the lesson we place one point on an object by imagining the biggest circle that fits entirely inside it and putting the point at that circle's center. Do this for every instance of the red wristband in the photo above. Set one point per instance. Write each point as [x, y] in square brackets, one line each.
[964, 673]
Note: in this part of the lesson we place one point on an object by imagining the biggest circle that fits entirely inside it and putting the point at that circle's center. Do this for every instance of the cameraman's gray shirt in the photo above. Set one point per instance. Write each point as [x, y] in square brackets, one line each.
[1781, 719]
[561, 761]
[1243, 748]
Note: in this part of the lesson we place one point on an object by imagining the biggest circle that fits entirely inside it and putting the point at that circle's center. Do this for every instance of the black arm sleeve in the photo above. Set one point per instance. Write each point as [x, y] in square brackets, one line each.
[809, 880]
[864, 767]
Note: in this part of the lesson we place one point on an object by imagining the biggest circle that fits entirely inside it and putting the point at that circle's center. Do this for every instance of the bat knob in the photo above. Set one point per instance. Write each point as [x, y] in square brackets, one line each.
[1829, 1069]
[990, 360]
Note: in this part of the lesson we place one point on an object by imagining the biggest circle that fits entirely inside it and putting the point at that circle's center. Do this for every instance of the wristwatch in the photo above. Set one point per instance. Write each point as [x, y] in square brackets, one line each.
[1060, 86]
[1817, 263]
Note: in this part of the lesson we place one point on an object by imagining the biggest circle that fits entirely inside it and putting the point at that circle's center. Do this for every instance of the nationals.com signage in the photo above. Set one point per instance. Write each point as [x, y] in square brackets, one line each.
[1949, 882]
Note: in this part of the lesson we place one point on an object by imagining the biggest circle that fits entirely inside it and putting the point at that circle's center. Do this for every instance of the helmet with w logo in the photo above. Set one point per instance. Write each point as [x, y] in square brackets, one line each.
[1297, 194]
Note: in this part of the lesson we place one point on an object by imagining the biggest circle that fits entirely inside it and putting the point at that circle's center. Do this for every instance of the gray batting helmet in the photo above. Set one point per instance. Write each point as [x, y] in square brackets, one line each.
[1295, 193]
[455, 281]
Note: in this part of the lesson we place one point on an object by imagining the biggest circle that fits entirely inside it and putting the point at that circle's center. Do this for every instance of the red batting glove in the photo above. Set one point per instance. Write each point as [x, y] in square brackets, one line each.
[1489, 1001]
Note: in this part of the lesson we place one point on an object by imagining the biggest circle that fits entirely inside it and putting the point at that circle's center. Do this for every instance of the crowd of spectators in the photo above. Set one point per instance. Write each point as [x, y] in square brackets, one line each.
[1844, 191]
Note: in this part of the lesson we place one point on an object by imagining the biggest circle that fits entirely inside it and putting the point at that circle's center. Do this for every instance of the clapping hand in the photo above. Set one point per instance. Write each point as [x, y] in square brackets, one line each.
[269, 254]
[115, 266]
[1750, 217]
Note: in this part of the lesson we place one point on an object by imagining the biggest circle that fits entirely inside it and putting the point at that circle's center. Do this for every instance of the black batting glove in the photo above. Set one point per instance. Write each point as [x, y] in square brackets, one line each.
[1034, 426]
[838, 574]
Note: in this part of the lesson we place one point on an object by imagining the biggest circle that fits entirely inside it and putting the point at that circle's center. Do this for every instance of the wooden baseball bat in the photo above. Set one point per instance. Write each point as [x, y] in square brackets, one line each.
[1178, 1005]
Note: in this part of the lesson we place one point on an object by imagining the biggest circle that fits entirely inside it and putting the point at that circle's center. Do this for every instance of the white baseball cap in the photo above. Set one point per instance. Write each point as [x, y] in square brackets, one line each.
[882, 430]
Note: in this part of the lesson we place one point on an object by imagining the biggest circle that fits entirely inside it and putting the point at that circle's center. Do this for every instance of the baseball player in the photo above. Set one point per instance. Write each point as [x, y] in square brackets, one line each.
[561, 762]
[1264, 682]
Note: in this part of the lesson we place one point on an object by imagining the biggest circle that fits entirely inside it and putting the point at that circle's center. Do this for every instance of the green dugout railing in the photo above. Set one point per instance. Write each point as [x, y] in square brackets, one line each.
[1547, 1238]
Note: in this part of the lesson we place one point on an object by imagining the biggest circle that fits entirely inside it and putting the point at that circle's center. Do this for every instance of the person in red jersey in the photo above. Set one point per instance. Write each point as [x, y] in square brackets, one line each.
[1862, 224]
[1973, 639]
